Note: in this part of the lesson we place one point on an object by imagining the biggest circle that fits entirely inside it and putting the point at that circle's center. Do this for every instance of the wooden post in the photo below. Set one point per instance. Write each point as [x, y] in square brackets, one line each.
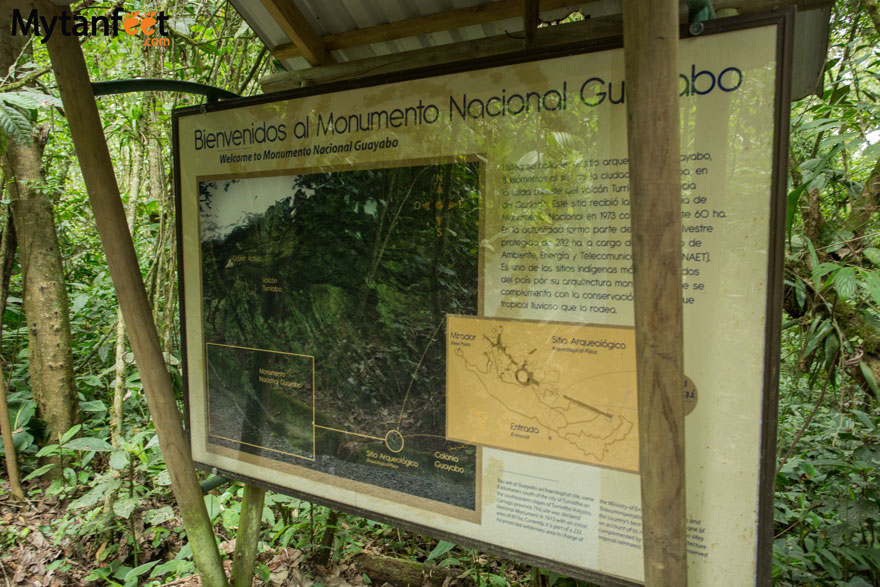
[97, 169]
[531, 17]
[247, 541]
[650, 34]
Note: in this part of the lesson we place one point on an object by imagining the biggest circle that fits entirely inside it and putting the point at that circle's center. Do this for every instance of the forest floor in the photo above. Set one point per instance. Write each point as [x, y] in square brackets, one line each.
[37, 550]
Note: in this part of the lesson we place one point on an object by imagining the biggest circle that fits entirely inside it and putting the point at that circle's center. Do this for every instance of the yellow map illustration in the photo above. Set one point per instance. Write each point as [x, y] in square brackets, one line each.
[565, 391]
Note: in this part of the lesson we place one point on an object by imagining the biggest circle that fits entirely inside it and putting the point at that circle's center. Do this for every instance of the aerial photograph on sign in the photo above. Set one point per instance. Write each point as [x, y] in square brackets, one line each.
[328, 353]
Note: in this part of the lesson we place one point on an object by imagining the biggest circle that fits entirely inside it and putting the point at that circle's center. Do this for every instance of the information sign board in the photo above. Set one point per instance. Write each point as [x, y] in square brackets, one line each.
[412, 299]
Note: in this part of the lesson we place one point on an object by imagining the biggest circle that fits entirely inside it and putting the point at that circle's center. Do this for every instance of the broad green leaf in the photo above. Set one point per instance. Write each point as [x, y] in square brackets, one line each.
[185, 552]
[817, 125]
[871, 282]
[821, 167]
[163, 478]
[19, 99]
[808, 469]
[120, 572]
[832, 345]
[154, 442]
[40, 471]
[131, 578]
[181, 566]
[124, 507]
[845, 282]
[40, 98]
[821, 270]
[92, 406]
[119, 459]
[158, 516]
[89, 443]
[814, 259]
[859, 511]
[23, 414]
[22, 440]
[47, 450]
[14, 124]
[94, 495]
[816, 337]
[872, 151]
[873, 255]
[268, 516]
[93, 381]
[71, 433]
[442, 548]
[213, 506]
[837, 139]
[29, 100]
[79, 303]
[230, 518]
[840, 240]
[865, 419]
[870, 379]
[800, 293]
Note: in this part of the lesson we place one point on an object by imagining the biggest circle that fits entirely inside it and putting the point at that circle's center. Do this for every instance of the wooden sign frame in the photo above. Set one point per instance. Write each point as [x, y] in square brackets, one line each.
[194, 172]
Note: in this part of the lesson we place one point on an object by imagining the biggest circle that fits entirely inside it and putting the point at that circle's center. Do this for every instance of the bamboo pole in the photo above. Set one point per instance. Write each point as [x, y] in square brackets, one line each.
[650, 33]
[97, 169]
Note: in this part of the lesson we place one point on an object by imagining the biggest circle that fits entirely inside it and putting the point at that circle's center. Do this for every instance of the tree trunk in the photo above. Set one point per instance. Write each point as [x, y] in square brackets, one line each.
[865, 206]
[119, 387]
[873, 14]
[45, 298]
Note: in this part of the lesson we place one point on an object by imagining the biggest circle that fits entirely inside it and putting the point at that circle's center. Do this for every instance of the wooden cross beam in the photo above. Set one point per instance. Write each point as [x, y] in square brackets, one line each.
[295, 26]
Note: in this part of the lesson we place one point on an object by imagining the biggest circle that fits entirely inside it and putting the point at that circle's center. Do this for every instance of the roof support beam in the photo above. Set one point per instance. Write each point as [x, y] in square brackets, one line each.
[650, 44]
[531, 18]
[423, 25]
[295, 26]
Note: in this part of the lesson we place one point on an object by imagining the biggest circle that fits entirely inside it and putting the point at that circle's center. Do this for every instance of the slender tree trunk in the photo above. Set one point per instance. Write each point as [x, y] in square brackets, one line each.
[50, 355]
[119, 387]
[7, 253]
[866, 204]
[873, 13]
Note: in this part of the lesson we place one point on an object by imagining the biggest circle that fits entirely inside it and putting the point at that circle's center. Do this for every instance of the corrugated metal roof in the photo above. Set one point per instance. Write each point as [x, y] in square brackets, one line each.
[329, 17]
[337, 16]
